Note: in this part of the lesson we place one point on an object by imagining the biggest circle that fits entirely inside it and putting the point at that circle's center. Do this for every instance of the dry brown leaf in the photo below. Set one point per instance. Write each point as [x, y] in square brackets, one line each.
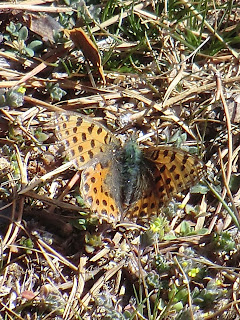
[90, 52]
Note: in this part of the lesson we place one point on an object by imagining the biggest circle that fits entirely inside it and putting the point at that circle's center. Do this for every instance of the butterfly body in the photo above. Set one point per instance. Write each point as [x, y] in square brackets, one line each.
[123, 181]
[134, 178]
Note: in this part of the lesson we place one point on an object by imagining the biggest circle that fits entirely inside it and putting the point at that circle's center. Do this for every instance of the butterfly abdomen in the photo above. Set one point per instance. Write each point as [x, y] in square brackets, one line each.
[133, 166]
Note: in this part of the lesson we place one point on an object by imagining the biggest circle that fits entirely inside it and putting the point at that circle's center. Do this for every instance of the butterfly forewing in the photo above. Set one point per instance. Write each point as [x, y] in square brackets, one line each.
[83, 138]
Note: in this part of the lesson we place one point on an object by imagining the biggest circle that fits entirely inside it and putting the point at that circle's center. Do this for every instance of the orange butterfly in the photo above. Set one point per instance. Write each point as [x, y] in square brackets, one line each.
[123, 181]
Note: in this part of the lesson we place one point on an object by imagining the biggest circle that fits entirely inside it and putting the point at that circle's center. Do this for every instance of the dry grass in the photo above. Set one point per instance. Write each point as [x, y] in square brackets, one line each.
[172, 76]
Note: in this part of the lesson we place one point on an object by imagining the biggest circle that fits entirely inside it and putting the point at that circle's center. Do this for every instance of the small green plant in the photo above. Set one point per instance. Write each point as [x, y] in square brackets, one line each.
[153, 280]
[56, 93]
[12, 98]
[160, 226]
[178, 297]
[92, 241]
[17, 38]
[27, 243]
[193, 269]
[208, 295]
[223, 242]
[187, 230]
[162, 264]
[106, 308]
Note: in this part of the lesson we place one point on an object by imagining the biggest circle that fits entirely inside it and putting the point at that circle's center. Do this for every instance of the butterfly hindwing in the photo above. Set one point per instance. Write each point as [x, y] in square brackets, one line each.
[145, 207]
[98, 192]
[175, 171]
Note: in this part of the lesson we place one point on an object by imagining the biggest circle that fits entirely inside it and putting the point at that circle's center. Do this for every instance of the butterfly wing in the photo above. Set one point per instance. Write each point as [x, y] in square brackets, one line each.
[82, 137]
[176, 170]
[173, 171]
[93, 148]
[100, 189]
[143, 208]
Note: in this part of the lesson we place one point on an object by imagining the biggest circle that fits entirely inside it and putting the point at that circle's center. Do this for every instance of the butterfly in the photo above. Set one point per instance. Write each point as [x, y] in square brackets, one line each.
[123, 181]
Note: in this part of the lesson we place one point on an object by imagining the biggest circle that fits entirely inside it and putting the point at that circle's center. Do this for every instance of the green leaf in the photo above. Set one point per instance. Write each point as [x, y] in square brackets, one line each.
[35, 45]
[234, 182]
[13, 28]
[29, 52]
[2, 98]
[199, 189]
[185, 228]
[41, 136]
[23, 33]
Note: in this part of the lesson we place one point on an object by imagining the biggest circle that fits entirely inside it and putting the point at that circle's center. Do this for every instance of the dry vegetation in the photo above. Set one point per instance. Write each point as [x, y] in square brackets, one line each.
[171, 77]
